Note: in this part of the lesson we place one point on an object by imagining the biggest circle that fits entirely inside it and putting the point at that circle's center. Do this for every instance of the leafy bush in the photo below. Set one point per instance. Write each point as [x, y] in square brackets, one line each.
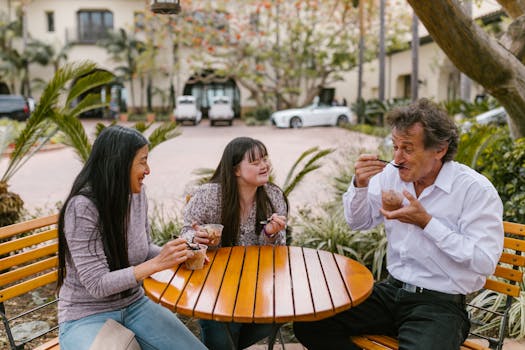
[164, 225]
[491, 151]
[262, 113]
[326, 229]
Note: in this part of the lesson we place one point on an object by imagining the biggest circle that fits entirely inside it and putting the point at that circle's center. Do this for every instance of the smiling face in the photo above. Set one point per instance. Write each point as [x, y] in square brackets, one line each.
[420, 166]
[253, 171]
[139, 169]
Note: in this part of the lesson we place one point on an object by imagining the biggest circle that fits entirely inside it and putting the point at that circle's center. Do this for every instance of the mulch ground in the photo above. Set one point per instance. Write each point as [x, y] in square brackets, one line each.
[48, 314]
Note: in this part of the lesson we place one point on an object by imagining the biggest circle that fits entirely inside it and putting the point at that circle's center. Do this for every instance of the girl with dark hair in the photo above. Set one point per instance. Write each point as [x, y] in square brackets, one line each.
[105, 250]
[252, 210]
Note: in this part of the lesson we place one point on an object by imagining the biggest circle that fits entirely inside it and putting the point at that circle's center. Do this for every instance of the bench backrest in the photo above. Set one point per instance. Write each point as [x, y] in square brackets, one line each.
[508, 273]
[28, 256]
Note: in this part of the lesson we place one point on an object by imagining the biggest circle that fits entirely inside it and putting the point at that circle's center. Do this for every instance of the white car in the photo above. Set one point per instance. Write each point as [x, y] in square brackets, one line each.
[496, 116]
[187, 110]
[313, 115]
[221, 110]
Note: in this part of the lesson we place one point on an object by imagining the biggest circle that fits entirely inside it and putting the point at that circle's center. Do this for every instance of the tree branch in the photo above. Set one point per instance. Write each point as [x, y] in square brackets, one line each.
[514, 8]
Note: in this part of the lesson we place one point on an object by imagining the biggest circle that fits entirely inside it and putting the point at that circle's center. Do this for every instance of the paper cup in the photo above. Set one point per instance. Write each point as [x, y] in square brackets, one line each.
[197, 261]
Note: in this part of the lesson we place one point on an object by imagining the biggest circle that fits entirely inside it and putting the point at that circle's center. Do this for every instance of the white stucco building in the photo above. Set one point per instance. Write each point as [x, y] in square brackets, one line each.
[82, 23]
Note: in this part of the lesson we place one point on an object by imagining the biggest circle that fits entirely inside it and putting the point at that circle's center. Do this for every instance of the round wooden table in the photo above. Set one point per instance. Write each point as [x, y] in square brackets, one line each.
[263, 284]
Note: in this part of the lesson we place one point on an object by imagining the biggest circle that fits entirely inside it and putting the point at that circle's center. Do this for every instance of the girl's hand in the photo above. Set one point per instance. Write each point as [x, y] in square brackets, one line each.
[200, 236]
[276, 224]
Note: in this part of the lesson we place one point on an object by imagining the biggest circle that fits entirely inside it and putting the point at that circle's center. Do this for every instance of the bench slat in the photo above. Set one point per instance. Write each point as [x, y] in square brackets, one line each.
[16, 229]
[28, 256]
[514, 228]
[513, 259]
[508, 273]
[49, 345]
[383, 342]
[26, 286]
[502, 287]
[28, 241]
[28, 270]
[514, 243]
[367, 344]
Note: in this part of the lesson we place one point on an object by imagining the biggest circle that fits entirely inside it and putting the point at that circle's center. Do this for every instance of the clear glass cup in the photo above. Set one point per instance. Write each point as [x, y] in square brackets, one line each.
[214, 233]
[391, 199]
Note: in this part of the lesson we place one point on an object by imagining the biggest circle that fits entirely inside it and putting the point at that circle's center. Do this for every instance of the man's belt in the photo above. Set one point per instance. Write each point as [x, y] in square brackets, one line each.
[456, 298]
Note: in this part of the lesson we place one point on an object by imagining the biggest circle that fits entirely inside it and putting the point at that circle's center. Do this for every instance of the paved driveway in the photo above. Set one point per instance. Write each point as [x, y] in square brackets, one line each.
[47, 177]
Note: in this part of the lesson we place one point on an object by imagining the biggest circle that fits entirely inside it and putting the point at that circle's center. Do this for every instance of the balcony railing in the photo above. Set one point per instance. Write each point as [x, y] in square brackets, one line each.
[89, 37]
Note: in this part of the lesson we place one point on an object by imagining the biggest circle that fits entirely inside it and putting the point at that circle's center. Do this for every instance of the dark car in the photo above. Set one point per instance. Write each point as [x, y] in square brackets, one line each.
[14, 107]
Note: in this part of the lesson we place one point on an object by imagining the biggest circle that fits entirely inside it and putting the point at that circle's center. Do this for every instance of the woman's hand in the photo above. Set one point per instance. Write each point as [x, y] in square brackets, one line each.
[173, 253]
[276, 224]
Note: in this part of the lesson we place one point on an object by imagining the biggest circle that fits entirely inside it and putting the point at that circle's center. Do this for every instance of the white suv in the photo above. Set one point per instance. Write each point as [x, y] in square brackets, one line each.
[221, 110]
[187, 110]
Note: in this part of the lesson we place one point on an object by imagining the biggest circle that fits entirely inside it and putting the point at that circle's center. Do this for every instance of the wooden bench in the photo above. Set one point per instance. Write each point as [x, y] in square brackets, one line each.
[505, 280]
[28, 258]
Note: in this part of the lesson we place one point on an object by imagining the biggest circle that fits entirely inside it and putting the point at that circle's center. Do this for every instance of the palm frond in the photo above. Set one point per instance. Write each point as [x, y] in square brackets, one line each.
[87, 80]
[99, 127]
[37, 126]
[141, 126]
[204, 175]
[37, 146]
[74, 133]
[296, 164]
[163, 132]
[292, 179]
[90, 102]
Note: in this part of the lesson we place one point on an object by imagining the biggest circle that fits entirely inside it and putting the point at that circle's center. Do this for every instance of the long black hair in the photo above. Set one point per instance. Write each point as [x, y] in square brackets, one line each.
[105, 180]
[233, 154]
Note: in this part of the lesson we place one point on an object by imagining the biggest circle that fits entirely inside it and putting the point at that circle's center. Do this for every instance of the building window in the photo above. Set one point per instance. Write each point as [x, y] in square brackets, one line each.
[139, 21]
[94, 25]
[50, 16]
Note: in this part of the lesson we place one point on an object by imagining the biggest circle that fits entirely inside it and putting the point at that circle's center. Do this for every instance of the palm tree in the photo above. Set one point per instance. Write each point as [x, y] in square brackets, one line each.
[126, 49]
[42, 125]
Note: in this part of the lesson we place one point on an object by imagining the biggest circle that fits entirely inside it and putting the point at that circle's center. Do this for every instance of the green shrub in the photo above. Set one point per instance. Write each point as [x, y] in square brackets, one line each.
[491, 151]
[164, 225]
[262, 113]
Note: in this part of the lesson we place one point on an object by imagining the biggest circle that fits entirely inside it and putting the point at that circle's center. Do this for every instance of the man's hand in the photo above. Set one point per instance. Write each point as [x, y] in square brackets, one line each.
[414, 213]
[366, 166]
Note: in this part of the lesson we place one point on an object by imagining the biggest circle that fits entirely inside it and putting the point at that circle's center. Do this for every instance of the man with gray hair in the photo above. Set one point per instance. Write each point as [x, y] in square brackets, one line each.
[445, 235]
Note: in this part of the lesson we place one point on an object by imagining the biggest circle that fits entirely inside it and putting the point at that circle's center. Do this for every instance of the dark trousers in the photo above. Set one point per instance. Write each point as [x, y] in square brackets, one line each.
[422, 321]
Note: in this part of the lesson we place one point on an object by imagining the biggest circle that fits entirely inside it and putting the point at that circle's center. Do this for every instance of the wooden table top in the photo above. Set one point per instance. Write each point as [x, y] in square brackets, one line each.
[263, 284]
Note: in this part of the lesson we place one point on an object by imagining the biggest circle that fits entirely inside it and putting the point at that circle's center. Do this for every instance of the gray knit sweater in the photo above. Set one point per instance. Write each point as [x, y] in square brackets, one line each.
[89, 287]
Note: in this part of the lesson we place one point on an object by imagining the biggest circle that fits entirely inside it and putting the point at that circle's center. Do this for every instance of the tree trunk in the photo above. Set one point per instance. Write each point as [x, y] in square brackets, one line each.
[477, 55]
[414, 77]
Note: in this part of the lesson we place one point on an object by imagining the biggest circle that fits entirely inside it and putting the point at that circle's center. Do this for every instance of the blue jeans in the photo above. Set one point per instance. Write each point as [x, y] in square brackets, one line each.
[155, 328]
[215, 336]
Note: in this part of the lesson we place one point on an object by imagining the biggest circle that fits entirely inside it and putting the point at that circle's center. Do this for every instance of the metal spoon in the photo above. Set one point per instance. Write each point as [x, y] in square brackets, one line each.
[264, 222]
[391, 163]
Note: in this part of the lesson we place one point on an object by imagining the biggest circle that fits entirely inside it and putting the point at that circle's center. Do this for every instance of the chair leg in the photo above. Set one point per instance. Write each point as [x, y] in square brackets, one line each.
[273, 335]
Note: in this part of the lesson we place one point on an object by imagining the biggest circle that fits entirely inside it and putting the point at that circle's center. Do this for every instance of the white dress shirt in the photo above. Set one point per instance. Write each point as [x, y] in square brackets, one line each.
[460, 245]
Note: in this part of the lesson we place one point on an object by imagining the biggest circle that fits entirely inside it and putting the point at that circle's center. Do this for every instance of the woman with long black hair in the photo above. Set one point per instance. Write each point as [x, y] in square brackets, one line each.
[105, 250]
